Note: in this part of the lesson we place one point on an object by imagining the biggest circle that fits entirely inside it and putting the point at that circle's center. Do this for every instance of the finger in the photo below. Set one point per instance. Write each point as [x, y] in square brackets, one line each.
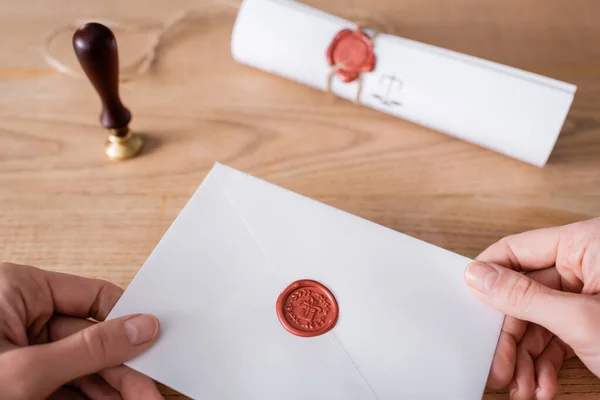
[522, 386]
[100, 346]
[521, 297]
[131, 384]
[546, 369]
[533, 344]
[531, 250]
[548, 277]
[559, 277]
[96, 388]
[505, 357]
[564, 246]
[60, 326]
[80, 297]
[66, 394]
[503, 366]
[503, 363]
[535, 340]
[577, 253]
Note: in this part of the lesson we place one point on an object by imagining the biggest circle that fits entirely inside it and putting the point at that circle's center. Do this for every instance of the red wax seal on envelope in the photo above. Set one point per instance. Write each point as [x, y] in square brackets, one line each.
[306, 308]
[352, 52]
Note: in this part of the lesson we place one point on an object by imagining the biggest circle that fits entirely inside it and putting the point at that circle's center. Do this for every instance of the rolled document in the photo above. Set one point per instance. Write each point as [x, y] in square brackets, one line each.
[503, 109]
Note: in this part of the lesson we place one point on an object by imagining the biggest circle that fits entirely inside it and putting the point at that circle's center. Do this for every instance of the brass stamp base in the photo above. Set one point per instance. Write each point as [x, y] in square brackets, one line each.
[122, 147]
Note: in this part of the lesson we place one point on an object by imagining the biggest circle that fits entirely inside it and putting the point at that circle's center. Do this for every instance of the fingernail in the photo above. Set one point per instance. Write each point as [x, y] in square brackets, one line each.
[481, 276]
[141, 329]
[512, 388]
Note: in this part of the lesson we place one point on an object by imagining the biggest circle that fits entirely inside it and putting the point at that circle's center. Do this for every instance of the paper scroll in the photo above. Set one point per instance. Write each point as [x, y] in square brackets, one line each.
[513, 112]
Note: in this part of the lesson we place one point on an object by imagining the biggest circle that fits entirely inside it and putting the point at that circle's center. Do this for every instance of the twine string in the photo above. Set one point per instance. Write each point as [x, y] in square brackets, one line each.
[142, 64]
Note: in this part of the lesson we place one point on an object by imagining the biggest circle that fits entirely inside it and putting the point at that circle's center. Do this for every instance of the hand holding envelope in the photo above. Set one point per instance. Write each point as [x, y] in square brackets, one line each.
[406, 318]
[552, 309]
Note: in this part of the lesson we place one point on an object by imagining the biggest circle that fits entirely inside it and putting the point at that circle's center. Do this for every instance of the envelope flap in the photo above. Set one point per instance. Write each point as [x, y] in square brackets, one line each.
[406, 316]
[215, 295]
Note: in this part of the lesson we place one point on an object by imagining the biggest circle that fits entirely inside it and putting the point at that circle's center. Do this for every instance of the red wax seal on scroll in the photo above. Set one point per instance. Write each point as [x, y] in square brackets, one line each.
[352, 53]
[306, 308]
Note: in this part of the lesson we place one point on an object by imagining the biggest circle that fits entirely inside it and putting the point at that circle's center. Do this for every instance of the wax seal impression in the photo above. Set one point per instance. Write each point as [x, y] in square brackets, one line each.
[352, 53]
[306, 308]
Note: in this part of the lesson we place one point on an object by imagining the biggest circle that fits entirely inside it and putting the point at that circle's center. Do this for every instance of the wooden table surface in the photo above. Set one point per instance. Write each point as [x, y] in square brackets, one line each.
[65, 207]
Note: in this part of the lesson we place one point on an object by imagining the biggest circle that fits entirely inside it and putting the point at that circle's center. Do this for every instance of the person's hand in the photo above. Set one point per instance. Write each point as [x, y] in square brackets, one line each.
[49, 347]
[547, 283]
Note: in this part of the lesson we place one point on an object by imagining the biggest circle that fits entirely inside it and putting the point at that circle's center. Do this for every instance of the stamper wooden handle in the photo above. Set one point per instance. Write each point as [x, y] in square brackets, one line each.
[96, 49]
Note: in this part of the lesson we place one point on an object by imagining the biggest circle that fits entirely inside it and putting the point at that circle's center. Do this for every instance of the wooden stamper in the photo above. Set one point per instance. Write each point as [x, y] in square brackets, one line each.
[96, 49]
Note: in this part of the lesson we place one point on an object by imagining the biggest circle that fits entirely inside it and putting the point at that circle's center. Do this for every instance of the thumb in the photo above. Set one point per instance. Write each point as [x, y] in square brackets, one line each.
[567, 315]
[103, 345]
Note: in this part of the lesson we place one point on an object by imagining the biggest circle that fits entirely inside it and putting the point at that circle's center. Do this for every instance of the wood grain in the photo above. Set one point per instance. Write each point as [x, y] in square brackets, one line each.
[65, 207]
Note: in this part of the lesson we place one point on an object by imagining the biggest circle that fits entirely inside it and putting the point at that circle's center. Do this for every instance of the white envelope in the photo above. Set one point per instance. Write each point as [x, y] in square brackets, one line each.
[408, 326]
[504, 109]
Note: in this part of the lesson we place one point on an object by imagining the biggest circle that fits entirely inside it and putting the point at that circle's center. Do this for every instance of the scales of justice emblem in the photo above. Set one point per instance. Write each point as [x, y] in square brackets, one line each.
[388, 91]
